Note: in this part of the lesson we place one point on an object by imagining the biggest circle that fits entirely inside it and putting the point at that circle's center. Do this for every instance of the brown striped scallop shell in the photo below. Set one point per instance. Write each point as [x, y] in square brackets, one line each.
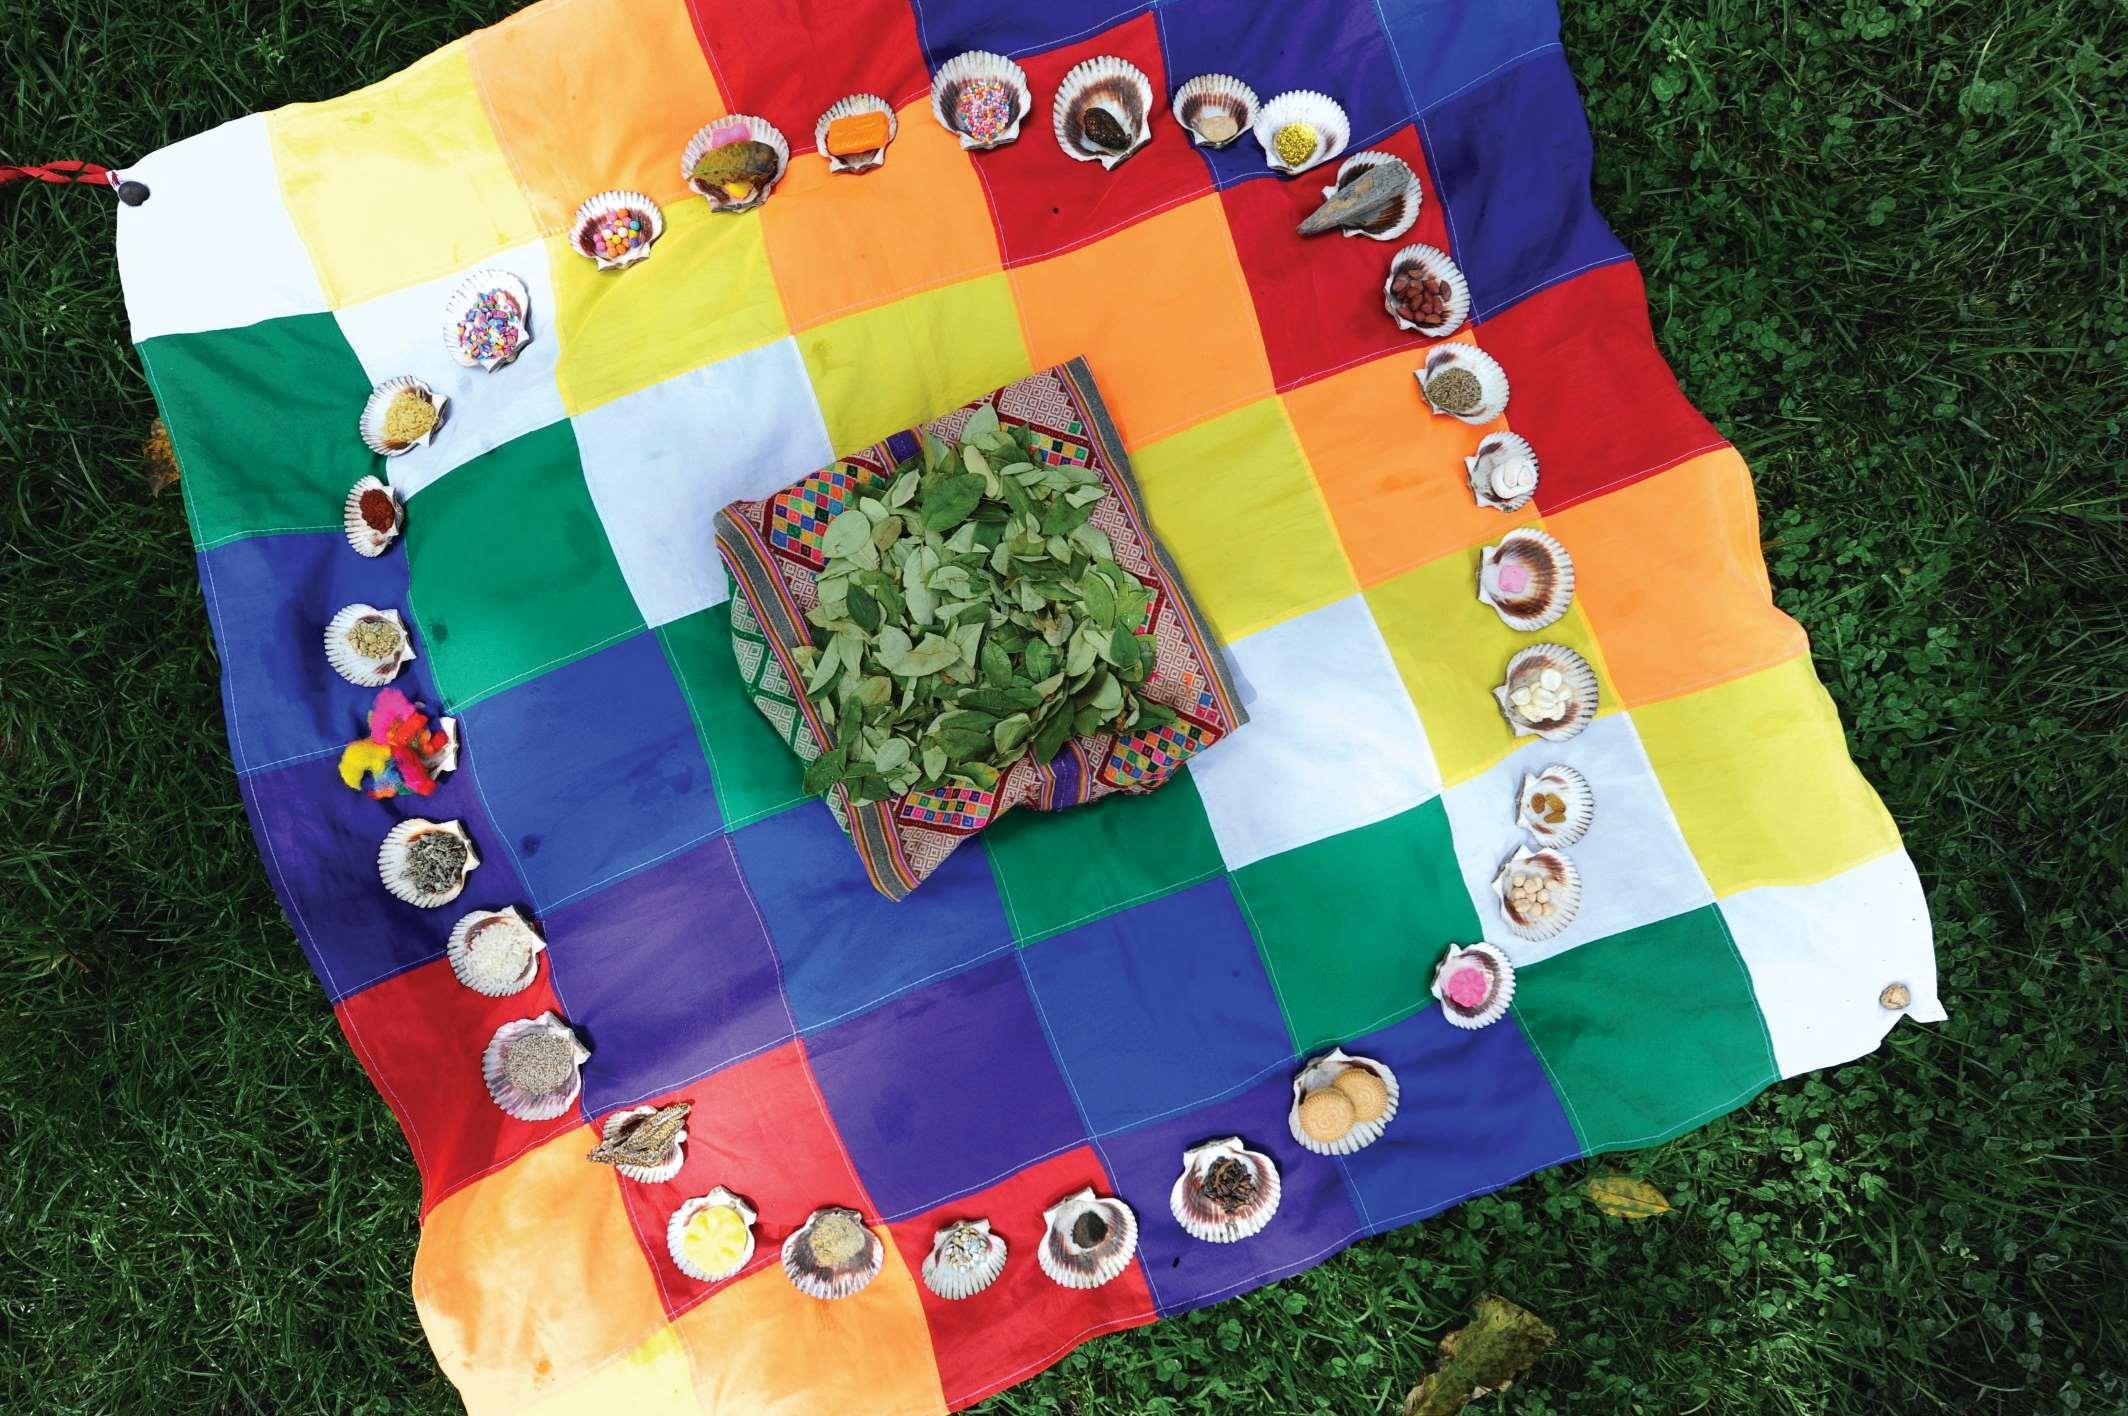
[1110, 86]
[1527, 578]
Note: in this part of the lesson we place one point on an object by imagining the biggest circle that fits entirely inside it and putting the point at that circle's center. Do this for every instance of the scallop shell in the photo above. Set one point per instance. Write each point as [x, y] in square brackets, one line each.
[1319, 111]
[1564, 882]
[1495, 963]
[1496, 471]
[760, 130]
[392, 861]
[965, 1259]
[1577, 806]
[1202, 1218]
[1103, 82]
[1087, 1265]
[350, 663]
[1579, 677]
[676, 1230]
[1538, 568]
[667, 1165]
[1322, 1072]
[1492, 381]
[1209, 93]
[816, 1277]
[1385, 207]
[980, 64]
[372, 428]
[846, 108]
[494, 929]
[506, 1093]
[469, 290]
[606, 203]
[366, 539]
[1435, 262]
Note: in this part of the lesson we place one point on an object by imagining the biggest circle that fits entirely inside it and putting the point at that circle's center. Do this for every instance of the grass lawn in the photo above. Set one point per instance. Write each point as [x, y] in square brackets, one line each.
[1885, 249]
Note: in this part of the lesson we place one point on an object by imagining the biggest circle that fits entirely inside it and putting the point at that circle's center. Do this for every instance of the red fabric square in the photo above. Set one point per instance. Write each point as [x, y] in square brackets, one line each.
[758, 1129]
[1025, 1320]
[1319, 298]
[1589, 389]
[420, 1036]
[787, 60]
[1046, 202]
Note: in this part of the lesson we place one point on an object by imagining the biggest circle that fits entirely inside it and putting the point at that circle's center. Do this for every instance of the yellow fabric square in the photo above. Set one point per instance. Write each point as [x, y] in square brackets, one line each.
[650, 1381]
[399, 182]
[892, 367]
[763, 1348]
[704, 294]
[1237, 507]
[1452, 650]
[1758, 773]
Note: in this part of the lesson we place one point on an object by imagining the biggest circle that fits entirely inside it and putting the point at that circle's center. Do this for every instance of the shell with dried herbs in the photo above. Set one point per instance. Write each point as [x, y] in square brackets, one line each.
[1226, 1192]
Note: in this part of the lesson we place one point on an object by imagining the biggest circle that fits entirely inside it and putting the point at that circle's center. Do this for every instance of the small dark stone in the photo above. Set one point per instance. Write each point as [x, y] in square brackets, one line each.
[1088, 1230]
[1102, 130]
[132, 193]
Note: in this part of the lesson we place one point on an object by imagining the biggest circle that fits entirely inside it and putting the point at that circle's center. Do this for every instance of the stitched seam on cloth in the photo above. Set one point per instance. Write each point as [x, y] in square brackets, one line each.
[310, 756]
[1153, 894]
[1547, 283]
[1500, 68]
[893, 993]
[1396, 58]
[1448, 213]
[218, 542]
[931, 1204]
[633, 870]
[1743, 969]
[529, 674]
[1594, 492]
[1581, 1132]
[1792, 882]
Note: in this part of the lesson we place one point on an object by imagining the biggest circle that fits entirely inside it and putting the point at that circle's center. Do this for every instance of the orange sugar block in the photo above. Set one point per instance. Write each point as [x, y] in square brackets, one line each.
[859, 132]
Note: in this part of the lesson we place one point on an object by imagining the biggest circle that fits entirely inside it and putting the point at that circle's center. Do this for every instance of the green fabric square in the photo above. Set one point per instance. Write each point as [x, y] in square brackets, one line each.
[511, 571]
[1350, 926]
[1059, 869]
[263, 419]
[1647, 1033]
[755, 771]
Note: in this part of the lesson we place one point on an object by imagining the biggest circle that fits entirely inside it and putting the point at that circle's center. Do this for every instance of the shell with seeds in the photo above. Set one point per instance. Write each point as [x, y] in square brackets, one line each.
[495, 952]
[1226, 1192]
[1342, 1103]
[1549, 692]
[1215, 109]
[646, 1143]
[367, 646]
[833, 1255]
[711, 1237]
[1089, 1240]
[371, 517]
[1103, 111]
[1475, 985]
[1503, 471]
[965, 1259]
[533, 1067]
[1464, 382]
[1527, 578]
[1301, 128]
[426, 863]
[1539, 892]
[1555, 806]
[1376, 194]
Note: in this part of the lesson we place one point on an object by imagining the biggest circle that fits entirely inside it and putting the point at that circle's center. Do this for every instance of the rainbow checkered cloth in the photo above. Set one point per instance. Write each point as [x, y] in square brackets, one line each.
[1082, 996]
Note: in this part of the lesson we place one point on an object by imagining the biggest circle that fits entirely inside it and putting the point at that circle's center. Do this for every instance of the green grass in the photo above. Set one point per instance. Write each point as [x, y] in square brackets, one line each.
[1884, 246]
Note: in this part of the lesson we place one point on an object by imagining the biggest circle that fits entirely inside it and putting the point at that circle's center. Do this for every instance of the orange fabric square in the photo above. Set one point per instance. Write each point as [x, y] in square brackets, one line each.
[840, 242]
[1392, 469]
[1671, 576]
[531, 1276]
[592, 95]
[1161, 312]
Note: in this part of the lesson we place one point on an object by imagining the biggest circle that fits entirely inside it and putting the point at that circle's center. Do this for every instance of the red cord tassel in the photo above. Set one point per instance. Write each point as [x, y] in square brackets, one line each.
[71, 170]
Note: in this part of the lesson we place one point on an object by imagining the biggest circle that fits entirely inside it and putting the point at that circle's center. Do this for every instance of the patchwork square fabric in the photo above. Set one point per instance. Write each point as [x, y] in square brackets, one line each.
[1664, 843]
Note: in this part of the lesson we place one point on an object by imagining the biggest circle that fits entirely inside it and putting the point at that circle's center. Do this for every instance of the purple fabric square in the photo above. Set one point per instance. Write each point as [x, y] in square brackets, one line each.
[946, 1089]
[595, 769]
[668, 976]
[1511, 157]
[1315, 1215]
[948, 27]
[1444, 45]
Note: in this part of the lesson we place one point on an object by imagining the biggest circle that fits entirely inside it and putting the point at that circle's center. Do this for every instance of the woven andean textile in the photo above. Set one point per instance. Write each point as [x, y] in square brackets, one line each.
[1076, 998]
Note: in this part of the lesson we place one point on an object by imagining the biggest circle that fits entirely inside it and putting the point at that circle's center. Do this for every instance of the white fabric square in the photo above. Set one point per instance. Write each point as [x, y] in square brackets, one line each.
[1635, 866]
[402, 333]
[1820, 955]
[662, 462]
[212, 247]
[1332, 742]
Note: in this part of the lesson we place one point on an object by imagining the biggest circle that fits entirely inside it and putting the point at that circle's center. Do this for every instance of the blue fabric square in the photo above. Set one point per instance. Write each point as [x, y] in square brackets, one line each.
[595, 768]
[1338, 49]
[946, 1089]
[668, 976]
[1476, 1112]
[269, 599]
[1445, 45]
[1315, 1214]
[1159, 1008]
[1511, 158]
[949, 27]
[845, 947]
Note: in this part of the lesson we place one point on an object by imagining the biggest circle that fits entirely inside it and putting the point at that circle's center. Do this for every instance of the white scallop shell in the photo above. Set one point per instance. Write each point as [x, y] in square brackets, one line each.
[847, 108]
[358, 668]
[953, 1279]
[676, 1230]
[1201, 1219]
[1073, 1267]
[647, 1174]
[1434, 262]
[1322, 1072]
[506, 1094]
[1502, 970]
[1574, 795]
[604, 204]
[1107, 82]
[392, 858]
[368, 542]
[372, 427]
[462, 299]
[1548, 587]
[1319, 111]
[507, 925]
[759, 130]
[829, 1282]
[1497, 471]
[980, 64]
[1394, 222]
[1492, 380]
[1579, 676]
[1208, 91]
[1565, 884]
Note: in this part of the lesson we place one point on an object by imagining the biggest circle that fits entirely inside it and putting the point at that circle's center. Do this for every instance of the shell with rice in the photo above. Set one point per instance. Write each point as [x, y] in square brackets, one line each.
[1528, 579]
[1088, 1239]
[495, 952]
[1103, 111]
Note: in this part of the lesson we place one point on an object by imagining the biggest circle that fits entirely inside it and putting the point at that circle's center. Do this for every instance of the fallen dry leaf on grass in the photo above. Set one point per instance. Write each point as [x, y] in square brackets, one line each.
[1627, 1197]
